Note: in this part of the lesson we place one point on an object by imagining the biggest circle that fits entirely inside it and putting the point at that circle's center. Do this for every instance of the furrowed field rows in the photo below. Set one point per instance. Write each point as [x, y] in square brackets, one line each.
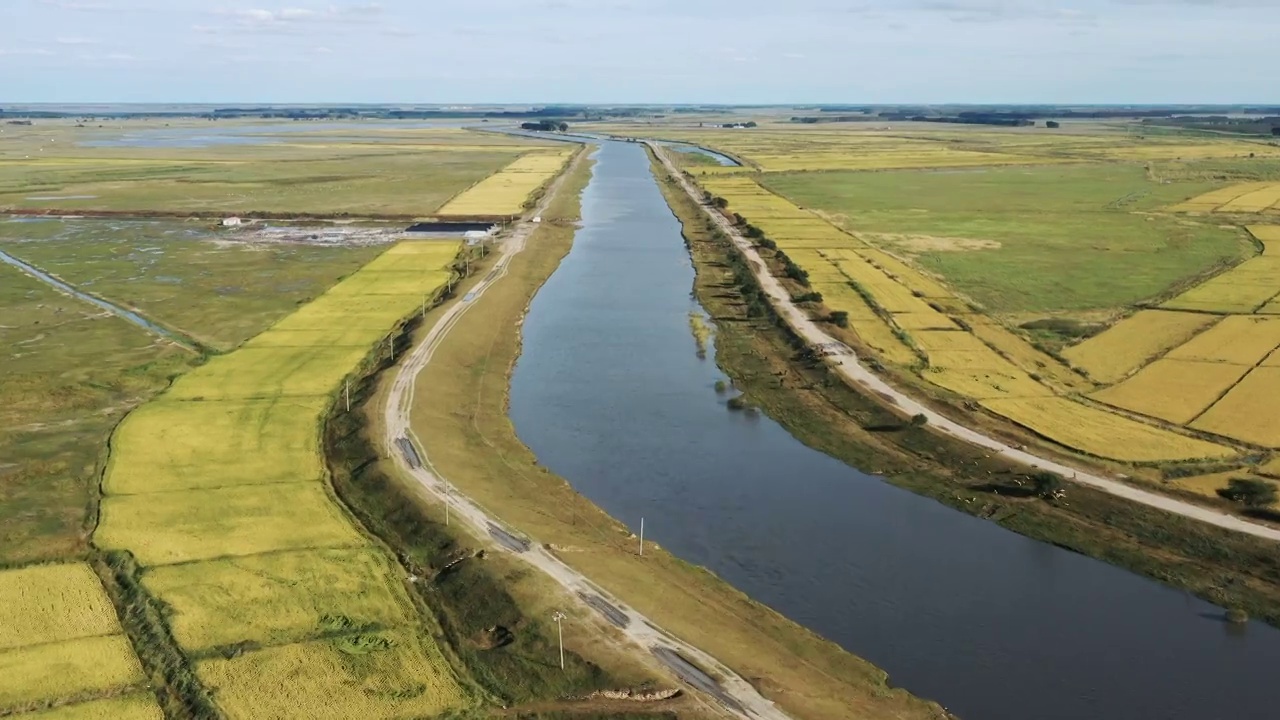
[60, 641]
[218, 489]
[1239, 340]
[1126, 346]
[507, 192]
[971, 354]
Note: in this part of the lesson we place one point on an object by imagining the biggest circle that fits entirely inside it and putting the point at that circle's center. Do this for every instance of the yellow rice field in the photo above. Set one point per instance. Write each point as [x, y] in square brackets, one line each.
[1126, 346]
[1102, 433]
[870, 327]
[1248, 412]
[141, 706]
[1272, 467]
[365, 675]
[57, 670]
[178, 527]
[279, 598]
[1173, 390]
[1251, 197]
[1268, 235]
[217, 488]
[1239, 340]
[53, 603]
[507, 191]
[165, 445]
[1025, 355]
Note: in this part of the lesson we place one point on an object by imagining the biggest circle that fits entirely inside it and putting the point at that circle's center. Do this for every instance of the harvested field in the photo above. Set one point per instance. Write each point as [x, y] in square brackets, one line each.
[359, 675]
[57, 670]
[53, 603]
[1249, 411]
[130, 707]
[1126, 346]
[1238, 340]
[1173, 390]
[1102, 433]
[280, 598]
[507, 191]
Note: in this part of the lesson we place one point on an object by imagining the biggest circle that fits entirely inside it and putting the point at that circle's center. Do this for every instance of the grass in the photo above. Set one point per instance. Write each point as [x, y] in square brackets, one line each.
[70, 373]
[460, 413]
[179, 275]
[46, 168]
[771, 366]
[1028, 240]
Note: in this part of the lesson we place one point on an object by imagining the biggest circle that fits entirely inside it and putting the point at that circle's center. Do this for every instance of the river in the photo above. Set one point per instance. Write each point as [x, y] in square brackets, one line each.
[610, 394]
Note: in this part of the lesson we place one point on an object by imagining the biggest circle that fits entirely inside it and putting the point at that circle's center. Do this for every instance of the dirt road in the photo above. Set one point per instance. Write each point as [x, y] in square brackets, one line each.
[684, 661]
[846, 363]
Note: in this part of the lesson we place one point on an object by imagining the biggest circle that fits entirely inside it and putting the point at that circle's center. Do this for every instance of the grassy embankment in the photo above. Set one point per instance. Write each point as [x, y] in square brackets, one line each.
[797, 390]
[494, 611]
[460, 413]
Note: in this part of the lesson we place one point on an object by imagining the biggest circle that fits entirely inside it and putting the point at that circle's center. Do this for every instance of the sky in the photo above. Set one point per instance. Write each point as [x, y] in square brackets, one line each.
[640, 51]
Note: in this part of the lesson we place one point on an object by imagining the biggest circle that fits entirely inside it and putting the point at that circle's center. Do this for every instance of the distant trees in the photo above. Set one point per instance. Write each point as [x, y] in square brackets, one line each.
[545, 126]
[1052, 124]
[839, 318]
[1249, 493]
[1276, 130]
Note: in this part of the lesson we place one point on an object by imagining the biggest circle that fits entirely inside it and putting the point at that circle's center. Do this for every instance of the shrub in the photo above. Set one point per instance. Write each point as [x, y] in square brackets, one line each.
[1248, 492]
[839, 318]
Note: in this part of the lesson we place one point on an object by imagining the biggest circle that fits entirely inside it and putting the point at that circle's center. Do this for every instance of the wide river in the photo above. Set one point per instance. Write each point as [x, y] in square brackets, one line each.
[610, 394]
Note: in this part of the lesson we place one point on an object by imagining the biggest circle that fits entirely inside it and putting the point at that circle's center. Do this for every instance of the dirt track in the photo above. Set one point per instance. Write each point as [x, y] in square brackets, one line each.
[732, 692]
[847, 364]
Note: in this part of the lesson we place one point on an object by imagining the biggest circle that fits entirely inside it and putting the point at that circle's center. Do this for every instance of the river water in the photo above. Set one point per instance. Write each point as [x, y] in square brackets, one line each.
[610, 394]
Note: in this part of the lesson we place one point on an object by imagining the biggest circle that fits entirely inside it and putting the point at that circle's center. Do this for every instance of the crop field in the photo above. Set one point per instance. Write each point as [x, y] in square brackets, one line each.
[1103, 433]
[954, 260]
[59, 167]
[279, 598]
[1254, 197]
[986, 361]
[240, 536]
[1129, 344]
[1249, 411]
[59, 638]
[362, 675]
[509, 190]
[1173, 390]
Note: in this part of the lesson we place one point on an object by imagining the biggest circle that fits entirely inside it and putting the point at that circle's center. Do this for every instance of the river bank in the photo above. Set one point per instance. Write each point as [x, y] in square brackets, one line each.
[461, 416]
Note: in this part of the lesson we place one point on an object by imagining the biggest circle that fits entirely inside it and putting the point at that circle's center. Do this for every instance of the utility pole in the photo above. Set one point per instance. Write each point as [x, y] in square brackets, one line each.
[560, 631]
[424, 307]
[347, 393]
[641, 537]
[446, 505]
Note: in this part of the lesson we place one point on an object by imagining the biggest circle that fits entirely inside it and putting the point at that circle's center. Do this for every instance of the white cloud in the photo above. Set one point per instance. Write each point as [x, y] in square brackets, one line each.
[83, 6]
[27, 52]
[322, 50]
[75, 40]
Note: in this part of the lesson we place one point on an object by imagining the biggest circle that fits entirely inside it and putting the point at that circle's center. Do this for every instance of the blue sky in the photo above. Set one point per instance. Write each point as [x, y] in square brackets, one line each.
[729, 51]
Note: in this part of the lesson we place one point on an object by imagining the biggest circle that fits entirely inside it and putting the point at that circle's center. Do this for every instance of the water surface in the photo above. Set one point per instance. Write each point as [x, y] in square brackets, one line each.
[610, 394]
